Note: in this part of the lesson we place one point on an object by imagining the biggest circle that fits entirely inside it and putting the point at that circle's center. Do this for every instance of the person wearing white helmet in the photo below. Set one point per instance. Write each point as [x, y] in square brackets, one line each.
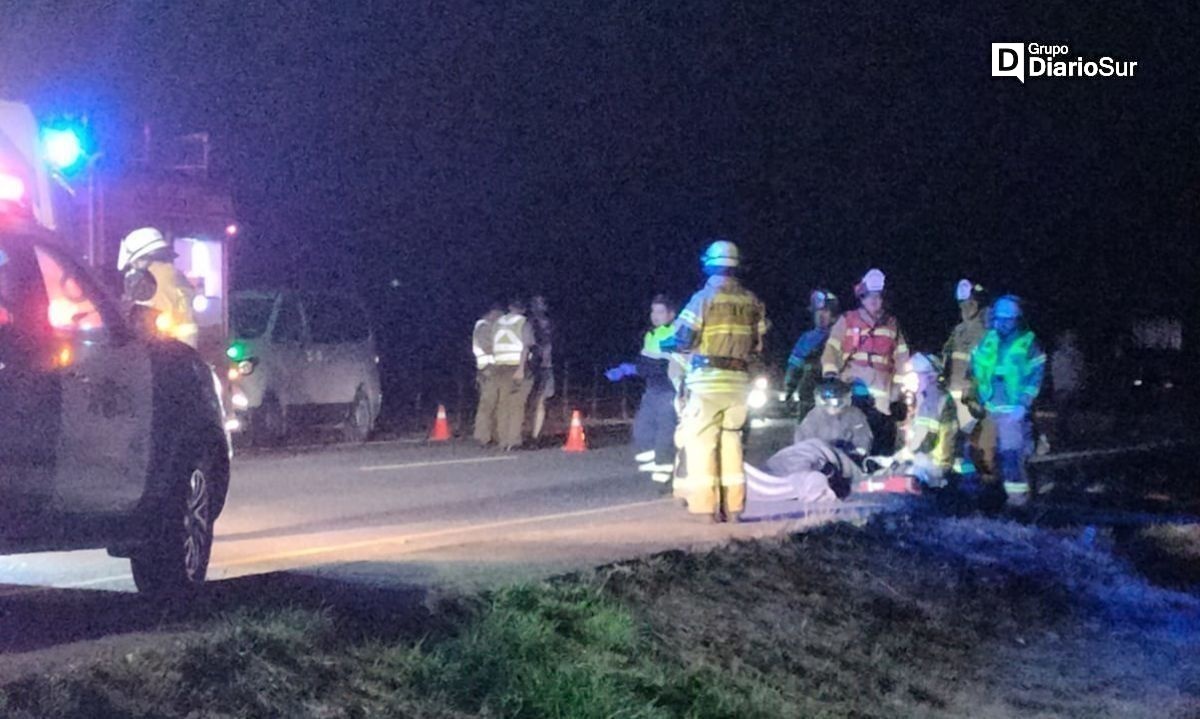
[1008, 366]
[146, 250]
[866, 347]
[932, 424]
[956, 358]
[722, 327]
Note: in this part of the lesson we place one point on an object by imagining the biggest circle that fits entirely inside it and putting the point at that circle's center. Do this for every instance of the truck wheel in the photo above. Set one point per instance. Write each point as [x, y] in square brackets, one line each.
[174, 558]
[358, 422]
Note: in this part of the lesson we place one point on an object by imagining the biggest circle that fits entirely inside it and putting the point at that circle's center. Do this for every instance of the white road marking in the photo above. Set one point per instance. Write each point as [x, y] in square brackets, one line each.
[362, 544]
[432, 463]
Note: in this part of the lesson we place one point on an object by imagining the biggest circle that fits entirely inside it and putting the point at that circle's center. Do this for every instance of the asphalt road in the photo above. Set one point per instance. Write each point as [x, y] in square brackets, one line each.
[406, 512]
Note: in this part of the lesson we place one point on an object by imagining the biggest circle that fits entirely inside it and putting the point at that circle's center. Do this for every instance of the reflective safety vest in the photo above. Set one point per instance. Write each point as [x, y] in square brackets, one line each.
[508, 343]
[677, 365]
[868, 344]
[481, 344]
[1019, 366]
[173, 302]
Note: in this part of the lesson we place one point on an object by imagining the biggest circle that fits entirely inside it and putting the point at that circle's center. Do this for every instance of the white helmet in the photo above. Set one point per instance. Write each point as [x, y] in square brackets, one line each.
[139, 244]
[871, 282]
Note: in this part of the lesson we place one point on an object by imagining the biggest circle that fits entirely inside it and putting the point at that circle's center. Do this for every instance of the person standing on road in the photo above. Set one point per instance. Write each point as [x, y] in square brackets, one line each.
[511, 346]
[541, 364]
[722, 326]
[655, 422]
[804, 364]
[489, 390]
[866, 347]
[1008, 366]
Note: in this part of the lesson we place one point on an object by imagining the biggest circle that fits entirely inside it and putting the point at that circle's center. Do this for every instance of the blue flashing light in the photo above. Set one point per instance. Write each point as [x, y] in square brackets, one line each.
[63, 147]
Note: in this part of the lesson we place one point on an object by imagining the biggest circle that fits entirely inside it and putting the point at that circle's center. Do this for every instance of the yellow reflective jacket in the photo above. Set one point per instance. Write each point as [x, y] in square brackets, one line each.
[173, 302]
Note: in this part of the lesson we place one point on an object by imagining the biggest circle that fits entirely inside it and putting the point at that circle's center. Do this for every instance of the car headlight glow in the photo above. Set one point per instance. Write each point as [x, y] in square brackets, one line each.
[757, 399]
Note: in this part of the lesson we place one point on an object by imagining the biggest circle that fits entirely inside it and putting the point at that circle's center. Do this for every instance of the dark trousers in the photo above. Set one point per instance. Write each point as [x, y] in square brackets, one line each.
[654, 425]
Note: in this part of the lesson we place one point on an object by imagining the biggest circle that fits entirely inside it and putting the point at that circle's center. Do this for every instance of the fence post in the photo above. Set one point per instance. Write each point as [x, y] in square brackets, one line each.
[566, 393]
[595, 390]
[625, 400]
[460, 410]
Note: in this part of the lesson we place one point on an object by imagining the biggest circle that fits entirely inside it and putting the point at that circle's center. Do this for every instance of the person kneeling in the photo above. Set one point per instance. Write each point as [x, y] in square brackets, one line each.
[823, 463]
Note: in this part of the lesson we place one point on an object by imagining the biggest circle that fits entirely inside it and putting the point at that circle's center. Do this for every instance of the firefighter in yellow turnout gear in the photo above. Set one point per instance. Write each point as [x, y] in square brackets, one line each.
[146, 250]
[722, 328]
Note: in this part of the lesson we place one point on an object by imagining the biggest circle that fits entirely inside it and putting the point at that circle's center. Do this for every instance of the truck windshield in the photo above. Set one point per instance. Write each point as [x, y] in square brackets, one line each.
[250, 316]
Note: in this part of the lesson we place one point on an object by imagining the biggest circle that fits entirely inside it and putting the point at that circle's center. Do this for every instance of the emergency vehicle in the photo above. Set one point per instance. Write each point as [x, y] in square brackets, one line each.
[109, 438]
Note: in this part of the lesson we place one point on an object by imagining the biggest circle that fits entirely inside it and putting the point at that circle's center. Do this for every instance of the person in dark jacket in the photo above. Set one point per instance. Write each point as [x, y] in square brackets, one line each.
[804, 364]
[824, 461]
[654, 424]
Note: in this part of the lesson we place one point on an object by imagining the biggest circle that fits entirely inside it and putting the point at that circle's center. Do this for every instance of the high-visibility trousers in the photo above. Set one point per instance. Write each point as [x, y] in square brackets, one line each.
[654, 427]
[1006, 440]
[709, 437]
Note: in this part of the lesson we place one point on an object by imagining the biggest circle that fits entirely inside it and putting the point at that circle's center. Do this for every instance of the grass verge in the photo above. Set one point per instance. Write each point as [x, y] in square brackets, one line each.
[921, 617]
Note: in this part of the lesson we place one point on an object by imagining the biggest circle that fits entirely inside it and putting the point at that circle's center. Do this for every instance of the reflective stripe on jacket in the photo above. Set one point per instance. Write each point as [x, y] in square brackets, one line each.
[725, 320]
[481, 343]
[513, 335]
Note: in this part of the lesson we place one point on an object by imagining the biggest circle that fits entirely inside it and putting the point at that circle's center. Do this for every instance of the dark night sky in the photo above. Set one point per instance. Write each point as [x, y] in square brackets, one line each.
[587, 149]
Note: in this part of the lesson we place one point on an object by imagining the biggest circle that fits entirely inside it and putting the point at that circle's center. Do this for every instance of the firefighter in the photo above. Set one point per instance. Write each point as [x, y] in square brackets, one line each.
[931, 424]
[866, 348]
[956, 354]
[541, 364]
[146, 250]
[825, 460]
[835, 419]
[722, 326]
[1008, 366]
[511, 346]
[489, 390]
[804, 364]
[656, 419]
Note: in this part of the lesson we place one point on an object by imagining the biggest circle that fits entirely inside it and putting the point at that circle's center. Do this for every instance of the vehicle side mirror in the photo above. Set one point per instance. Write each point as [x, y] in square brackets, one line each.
[140, 286]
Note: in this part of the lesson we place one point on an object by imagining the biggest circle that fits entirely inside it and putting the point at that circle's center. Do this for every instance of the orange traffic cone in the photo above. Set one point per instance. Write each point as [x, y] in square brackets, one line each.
[576, 439]
[441, 427]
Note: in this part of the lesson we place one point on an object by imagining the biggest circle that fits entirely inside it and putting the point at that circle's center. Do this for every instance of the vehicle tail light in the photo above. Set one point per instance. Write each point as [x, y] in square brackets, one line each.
[12, 188]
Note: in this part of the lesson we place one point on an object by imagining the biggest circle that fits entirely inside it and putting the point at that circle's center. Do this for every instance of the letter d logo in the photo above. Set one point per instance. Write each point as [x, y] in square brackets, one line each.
[1008, 60]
